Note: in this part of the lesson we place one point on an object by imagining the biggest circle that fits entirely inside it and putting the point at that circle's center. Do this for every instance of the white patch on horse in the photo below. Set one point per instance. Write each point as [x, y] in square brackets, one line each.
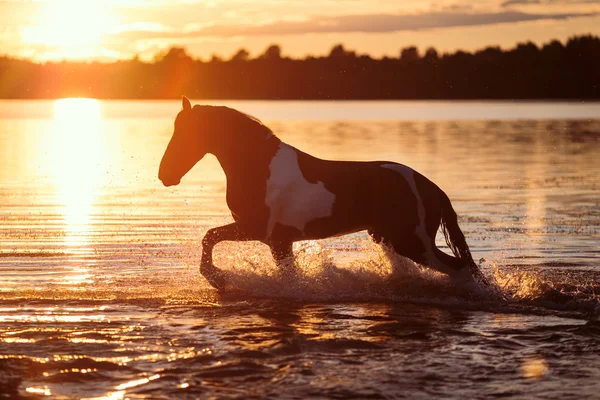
[292, 200]
[420, 231]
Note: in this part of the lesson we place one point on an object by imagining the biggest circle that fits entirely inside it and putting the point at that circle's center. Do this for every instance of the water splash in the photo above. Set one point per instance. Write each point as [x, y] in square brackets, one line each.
[352, 273]
[368, 272]
[326, 271]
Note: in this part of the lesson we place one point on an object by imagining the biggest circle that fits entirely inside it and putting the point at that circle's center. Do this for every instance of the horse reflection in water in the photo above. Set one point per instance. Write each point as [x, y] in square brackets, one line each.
[278, 195]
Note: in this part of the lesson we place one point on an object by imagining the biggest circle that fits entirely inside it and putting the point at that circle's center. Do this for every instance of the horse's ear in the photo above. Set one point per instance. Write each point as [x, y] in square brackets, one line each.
[185, 102]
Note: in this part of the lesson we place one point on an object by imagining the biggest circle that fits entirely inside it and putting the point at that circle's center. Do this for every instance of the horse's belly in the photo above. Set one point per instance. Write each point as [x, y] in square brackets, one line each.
[299, 204]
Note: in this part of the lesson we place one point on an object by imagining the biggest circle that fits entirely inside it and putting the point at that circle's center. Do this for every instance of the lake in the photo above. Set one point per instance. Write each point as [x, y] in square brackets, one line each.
[101, 298]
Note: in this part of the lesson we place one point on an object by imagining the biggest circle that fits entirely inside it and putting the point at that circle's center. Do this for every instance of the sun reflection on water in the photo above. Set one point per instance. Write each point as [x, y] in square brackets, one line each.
[78, 151]
[39, 391]
[110, 396]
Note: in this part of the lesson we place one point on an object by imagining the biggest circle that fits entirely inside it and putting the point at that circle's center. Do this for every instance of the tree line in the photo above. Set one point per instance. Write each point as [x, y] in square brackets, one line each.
[527, 71]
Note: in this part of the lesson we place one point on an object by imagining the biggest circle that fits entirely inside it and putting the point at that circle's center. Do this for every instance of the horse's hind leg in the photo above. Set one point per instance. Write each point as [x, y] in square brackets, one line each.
[421, 250]
[408, 217]
[453, 263]
[432, 257]
[405, 245]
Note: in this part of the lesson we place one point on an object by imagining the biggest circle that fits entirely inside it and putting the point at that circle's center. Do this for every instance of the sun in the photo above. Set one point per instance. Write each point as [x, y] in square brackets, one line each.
[72, 28]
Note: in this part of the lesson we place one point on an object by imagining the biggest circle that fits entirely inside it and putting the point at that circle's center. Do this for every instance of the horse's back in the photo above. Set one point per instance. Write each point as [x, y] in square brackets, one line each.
[315, 198]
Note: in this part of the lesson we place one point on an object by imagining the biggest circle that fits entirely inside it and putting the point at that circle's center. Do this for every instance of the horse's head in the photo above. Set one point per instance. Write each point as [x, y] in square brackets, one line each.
[185, 149]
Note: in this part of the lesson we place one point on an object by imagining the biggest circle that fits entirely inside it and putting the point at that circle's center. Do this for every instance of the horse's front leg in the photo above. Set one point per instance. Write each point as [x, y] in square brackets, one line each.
[284, 256]
[233, 232]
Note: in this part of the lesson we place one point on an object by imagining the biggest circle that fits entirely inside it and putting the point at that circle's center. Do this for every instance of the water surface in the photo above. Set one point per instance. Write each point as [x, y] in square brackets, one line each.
[100, 296]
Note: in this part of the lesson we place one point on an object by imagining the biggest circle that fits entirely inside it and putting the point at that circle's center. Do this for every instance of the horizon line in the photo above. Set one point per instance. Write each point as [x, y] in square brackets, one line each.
[420, 49]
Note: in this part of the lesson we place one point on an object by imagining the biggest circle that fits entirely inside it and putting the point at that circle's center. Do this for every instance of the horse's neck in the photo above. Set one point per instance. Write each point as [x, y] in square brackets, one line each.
[242, 159]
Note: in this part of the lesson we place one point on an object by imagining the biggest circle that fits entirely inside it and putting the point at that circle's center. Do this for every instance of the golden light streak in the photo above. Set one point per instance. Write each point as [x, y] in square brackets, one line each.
[52, 318]
[43, 391]
[77, 155]
[110, 396]
[137, 382]
[534, 368]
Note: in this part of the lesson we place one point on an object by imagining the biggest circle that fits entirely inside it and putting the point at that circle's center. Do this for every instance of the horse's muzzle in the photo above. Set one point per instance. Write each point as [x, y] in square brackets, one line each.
[168, 181]
[172, 183]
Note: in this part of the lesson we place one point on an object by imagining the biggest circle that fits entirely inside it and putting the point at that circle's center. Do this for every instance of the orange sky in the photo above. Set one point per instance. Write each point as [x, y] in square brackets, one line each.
[107, 29]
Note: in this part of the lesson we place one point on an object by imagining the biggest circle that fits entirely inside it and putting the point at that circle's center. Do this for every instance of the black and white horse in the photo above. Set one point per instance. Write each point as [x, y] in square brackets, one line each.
[278, 194]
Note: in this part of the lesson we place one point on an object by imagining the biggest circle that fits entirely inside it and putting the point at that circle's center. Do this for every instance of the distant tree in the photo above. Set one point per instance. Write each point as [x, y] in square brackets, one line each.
[176, 55]
[273, 52]
[175, 73]
[215, 59]
[527, 50]
[241, 55]
[555, 70]
[490, 54]
[409, 55]
[339, 51]
[584, 45]
[431, 55]
[554, 47]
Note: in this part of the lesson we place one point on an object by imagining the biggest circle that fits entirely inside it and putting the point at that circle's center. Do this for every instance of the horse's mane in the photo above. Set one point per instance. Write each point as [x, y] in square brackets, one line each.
[237, 120]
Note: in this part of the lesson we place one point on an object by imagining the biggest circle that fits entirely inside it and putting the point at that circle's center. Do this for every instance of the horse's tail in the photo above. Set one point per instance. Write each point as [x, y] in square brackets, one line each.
[452, 233]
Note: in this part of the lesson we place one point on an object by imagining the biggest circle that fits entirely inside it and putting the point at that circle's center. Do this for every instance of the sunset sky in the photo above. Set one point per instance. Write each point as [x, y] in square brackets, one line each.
[108, 29]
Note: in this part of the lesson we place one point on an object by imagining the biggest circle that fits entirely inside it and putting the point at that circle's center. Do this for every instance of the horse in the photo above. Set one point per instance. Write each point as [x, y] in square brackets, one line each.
[278, 195]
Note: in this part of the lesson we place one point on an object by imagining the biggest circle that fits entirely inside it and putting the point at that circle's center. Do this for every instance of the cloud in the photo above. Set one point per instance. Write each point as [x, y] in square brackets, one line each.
[509, 3]
[142, 26]
[382, 23]
[372, 23]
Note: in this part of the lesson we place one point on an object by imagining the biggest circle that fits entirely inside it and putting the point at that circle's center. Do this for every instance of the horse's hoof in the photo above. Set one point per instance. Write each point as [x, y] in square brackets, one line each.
[478, 276]
[463, 275]
[215, 277]
[471, 276]
[218, 282]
